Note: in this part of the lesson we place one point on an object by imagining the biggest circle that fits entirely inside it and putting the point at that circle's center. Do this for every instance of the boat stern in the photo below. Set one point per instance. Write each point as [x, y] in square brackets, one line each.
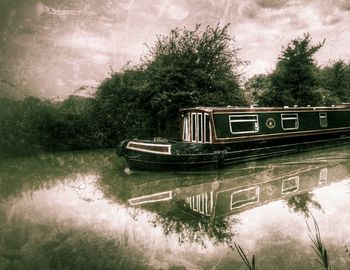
[162, 154]
[146, 154]
[121, 148]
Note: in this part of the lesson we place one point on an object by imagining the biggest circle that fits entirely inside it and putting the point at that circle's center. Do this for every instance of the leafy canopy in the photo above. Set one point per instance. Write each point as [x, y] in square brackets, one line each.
[185, 68]
[191, 68]
[294, 80]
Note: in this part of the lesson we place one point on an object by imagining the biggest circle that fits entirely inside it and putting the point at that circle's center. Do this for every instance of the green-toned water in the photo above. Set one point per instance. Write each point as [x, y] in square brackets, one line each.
[82, 211]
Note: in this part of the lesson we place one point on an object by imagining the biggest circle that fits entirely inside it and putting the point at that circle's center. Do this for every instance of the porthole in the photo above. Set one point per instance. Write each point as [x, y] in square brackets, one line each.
[270, 123]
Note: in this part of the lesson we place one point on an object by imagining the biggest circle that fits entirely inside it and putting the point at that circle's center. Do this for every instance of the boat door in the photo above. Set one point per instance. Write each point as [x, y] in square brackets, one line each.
[196, 127]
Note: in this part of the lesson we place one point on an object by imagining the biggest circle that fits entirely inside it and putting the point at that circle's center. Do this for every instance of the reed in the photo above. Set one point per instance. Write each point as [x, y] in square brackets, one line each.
[250, 266]
[317, 245]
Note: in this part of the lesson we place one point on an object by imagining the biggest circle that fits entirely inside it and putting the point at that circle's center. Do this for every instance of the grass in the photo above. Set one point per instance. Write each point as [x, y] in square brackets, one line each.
[250, 266]
[318, 246]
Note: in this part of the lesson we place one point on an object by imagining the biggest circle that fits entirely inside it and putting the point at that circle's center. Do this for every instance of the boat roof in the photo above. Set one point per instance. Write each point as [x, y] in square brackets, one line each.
[254, 108]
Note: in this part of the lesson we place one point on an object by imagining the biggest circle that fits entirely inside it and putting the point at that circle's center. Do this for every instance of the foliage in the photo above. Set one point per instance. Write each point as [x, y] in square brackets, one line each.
[193, 227]
[294, 79]
[69, 125]
[301, 203]
[190, 68]
[185, 68]
[118, 110]
[33, 125]
[18, 133]
[256, 87]
[297, 80]
[335, 78]
[325, 97]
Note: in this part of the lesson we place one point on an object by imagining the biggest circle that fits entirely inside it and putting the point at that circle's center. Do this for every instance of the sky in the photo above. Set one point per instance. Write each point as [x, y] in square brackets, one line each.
[51, 48]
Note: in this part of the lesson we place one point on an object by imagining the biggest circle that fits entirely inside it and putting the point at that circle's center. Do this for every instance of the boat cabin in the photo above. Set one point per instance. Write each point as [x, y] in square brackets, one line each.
[230, 124]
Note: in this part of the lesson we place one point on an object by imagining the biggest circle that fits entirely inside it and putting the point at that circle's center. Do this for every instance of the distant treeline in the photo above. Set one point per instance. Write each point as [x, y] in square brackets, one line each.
[298, 80]
[198, 67]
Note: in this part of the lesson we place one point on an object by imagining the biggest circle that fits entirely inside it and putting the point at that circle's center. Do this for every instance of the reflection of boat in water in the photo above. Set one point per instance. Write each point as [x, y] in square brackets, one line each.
[215, 136]
[230, 199]
[238, 190]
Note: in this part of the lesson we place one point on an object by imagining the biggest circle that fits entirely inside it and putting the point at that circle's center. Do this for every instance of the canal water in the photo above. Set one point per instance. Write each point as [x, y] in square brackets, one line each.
[82, 211]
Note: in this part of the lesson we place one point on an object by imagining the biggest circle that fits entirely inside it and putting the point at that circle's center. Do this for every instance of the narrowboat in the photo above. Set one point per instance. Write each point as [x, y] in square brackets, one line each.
[212, 137]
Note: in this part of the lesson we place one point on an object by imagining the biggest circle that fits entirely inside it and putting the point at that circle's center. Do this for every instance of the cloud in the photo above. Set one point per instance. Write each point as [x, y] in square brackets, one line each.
[330, 12]
[273, 4]
[332, 19]
[343, 4]
[177, 12]
[248, 10]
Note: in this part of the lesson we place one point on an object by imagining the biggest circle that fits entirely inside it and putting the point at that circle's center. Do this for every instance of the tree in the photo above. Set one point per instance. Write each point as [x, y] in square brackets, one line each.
[256, 86]
[190, 68]
[335, 78]
[294, 80]
[118, 111]
[183, 69]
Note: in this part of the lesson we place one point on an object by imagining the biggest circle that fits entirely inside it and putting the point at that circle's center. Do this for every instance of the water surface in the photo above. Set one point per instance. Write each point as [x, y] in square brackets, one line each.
[82, 211]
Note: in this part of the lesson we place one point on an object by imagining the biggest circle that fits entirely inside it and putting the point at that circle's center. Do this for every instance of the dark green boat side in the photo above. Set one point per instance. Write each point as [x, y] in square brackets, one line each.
[212, 137]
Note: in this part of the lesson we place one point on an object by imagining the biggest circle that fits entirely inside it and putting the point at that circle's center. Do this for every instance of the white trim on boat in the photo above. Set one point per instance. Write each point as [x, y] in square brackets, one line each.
[323, 176]
[284, 134]
[154, 145]
[244, 202]
[290, 185]
[247, 118]
[290, 117]
[156, 197]
[323, 119]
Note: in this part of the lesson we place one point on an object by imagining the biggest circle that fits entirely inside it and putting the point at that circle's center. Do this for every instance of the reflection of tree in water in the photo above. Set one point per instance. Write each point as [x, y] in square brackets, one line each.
[26, 245]
[302, 203]
[193, 227]
[42, 171]
[174, 217]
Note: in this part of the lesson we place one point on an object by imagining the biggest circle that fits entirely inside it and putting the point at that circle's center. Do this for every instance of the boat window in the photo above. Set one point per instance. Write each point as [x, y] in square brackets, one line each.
[323, 119]
[193, 125]
[200, 126]
[244, 124]
[202, 203]
[244, 197]
[290, 121]
[186, 128]
[197, 128]
[290, 185]
[207, 129]
[323, 176]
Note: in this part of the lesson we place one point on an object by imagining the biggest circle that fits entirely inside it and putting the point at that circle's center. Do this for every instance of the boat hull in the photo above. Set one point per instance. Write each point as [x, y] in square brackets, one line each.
[189, 156]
